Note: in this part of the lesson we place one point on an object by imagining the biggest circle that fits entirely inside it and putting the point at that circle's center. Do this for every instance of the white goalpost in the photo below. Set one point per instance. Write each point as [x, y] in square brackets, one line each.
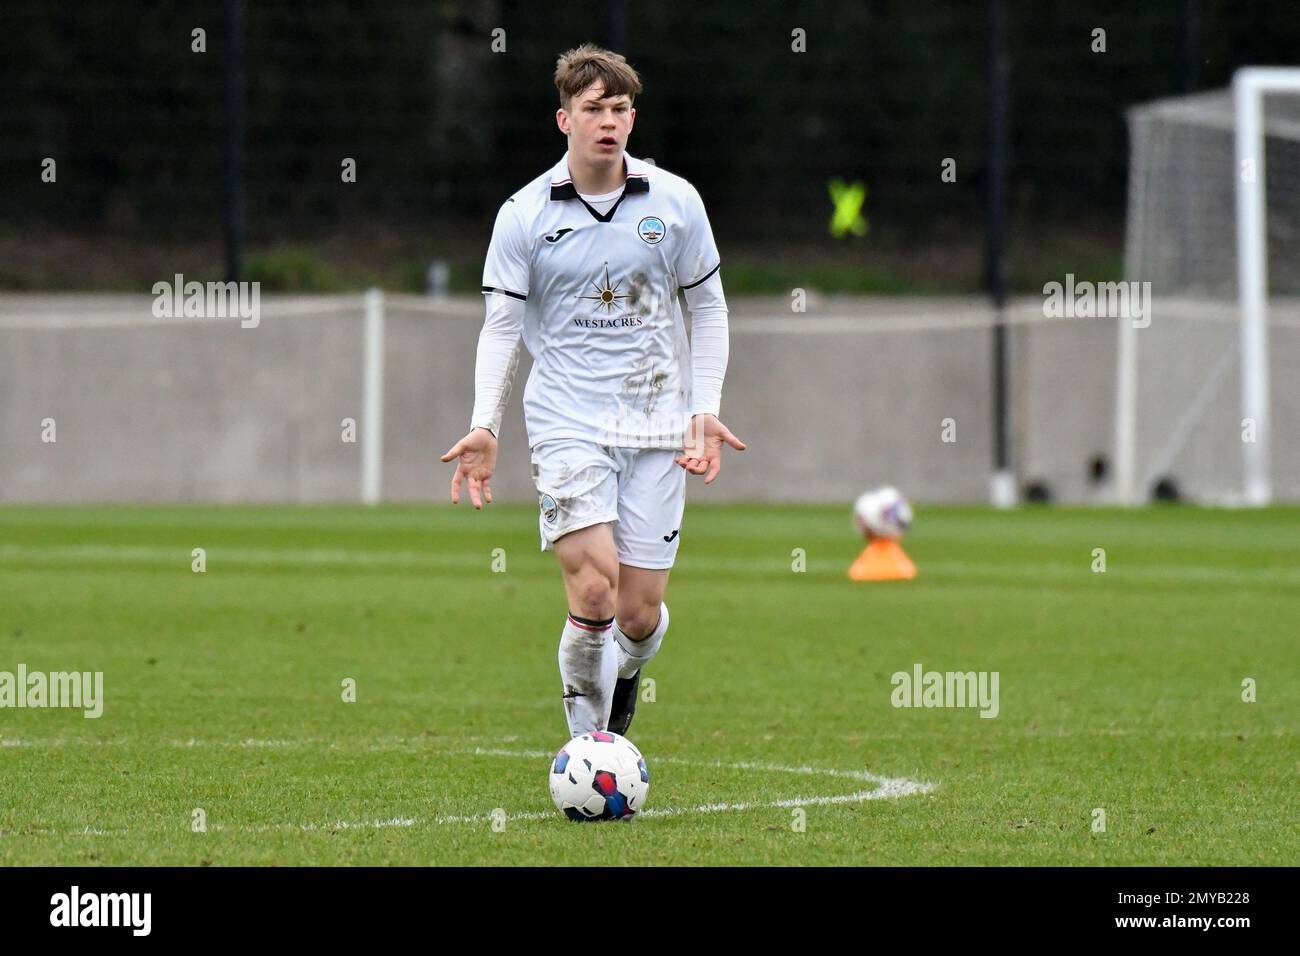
[372, 401]
[1249, 87]
[1214, 225]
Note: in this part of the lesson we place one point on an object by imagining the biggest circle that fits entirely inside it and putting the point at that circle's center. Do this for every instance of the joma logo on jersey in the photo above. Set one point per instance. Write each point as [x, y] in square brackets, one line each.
[559, 234]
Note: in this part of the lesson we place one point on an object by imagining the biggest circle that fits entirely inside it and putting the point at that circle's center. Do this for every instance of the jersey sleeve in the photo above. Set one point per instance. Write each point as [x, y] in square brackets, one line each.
[497, 361]
[696, 254]
[505, 272]
[709, 344]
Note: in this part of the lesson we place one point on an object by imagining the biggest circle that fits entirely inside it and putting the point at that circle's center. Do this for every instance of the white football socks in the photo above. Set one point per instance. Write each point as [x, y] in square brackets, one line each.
[633, 655]
[589, 668]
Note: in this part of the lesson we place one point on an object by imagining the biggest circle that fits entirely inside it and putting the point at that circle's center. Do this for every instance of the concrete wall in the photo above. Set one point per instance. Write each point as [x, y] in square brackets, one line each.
[849, 394]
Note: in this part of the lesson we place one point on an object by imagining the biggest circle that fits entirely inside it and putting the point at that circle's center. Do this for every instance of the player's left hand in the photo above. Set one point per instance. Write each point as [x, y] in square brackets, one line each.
[703, 452]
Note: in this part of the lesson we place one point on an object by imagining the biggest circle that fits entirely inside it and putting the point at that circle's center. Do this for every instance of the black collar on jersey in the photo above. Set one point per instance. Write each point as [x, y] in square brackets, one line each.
[636, 183]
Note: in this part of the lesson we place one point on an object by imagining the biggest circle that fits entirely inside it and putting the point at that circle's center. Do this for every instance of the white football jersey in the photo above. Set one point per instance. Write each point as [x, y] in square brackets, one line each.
[611, 360]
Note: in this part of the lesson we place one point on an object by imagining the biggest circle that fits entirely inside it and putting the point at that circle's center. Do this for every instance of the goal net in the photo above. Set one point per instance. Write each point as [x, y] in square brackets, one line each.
[1208, 394]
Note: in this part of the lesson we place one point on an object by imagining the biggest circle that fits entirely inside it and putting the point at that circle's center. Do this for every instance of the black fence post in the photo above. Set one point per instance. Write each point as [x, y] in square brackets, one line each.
[233, 206]
[996, 227]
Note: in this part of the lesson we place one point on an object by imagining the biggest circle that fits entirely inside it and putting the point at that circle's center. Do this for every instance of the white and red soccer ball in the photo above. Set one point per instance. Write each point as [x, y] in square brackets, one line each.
[599, 776]
[882, 513]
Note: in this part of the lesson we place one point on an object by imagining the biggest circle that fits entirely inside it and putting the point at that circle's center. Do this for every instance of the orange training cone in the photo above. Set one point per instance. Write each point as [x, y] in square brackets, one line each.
[883, 560]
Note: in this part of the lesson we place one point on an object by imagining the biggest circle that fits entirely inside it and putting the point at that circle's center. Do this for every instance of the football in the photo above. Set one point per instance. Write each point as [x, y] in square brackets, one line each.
[599, 776]
[882, 513]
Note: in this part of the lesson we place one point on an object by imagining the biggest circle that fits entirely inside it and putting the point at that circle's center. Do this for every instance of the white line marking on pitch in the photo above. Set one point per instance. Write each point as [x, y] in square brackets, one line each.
[886, 788]
[347, 559]
[426, 742]
[336, 825]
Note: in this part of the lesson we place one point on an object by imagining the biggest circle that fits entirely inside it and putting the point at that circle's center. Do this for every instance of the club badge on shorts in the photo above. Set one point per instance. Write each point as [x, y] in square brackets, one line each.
[549, 509]
[651, 229]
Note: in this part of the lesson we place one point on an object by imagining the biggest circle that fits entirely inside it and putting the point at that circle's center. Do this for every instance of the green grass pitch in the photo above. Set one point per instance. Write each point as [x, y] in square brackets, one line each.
[1119, 691]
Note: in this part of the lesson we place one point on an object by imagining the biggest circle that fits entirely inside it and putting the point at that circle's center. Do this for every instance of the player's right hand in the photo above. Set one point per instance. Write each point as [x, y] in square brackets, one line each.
[703, 451]
[477, 452]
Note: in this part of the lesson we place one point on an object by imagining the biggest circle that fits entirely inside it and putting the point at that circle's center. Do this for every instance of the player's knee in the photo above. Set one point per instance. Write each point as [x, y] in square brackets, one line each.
[594, 593]
[639, 620]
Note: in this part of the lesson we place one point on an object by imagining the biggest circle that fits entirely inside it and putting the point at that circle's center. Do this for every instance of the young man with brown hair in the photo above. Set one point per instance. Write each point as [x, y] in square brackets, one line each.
[585, 264]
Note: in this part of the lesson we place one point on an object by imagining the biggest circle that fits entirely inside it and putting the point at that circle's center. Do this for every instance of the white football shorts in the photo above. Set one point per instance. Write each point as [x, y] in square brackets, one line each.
[641, 490]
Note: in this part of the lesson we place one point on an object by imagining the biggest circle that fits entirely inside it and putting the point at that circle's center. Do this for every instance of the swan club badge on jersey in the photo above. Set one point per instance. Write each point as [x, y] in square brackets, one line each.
[651, 229]
[549, 509]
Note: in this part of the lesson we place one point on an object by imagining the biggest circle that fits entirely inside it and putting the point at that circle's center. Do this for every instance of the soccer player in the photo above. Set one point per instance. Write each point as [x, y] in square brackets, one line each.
[585, 263]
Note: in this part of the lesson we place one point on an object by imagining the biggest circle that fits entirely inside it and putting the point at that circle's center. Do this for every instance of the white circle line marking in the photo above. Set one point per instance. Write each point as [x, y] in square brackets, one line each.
[886, 788]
